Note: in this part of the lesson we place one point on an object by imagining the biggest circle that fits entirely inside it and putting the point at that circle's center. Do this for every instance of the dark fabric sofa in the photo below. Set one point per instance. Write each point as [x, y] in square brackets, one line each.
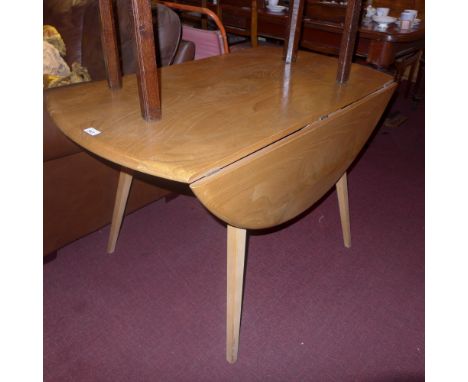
[78, 187]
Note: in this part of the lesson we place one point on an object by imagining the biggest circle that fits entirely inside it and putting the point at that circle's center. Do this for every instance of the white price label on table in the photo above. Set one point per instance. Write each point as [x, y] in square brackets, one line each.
[92, 131]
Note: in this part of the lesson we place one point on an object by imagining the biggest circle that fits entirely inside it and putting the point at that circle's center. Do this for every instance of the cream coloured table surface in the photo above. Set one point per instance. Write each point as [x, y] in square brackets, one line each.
[214, 111]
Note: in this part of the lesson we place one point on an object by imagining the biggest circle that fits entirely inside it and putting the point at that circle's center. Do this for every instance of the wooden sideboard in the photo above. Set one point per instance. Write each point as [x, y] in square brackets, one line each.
[378, 48]
[323, 26]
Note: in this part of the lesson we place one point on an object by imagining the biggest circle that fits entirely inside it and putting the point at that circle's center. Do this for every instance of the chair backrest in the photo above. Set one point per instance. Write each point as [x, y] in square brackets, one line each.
[168, 37]
[207, 42]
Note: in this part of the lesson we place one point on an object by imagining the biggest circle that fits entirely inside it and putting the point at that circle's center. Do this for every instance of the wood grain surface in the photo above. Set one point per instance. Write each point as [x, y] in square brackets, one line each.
[123, 188]
[343, 203]
[236, 246]
[214, 111]
[281, 181]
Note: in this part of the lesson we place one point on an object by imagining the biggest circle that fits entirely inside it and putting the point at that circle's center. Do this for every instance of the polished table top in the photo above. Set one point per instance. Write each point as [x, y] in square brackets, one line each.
[214, 111]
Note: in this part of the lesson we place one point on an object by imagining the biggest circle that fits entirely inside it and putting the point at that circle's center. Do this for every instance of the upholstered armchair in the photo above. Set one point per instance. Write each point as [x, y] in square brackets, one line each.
[79, 188]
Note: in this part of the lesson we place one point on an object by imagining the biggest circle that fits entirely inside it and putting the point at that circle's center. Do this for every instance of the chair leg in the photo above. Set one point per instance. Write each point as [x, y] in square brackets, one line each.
[236, 242]
[419, 79]
[204, 19]
[254, 24]
[411, 74]
[342, 192]
[254, 40]
[123, 188]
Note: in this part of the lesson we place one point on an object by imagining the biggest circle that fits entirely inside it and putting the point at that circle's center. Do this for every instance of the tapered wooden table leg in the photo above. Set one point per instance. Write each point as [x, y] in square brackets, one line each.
[236, 242]
[123, 188]
[342, 191]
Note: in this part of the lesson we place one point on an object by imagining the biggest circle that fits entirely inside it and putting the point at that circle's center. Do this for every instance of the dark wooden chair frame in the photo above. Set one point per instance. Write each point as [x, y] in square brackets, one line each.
[148, 82]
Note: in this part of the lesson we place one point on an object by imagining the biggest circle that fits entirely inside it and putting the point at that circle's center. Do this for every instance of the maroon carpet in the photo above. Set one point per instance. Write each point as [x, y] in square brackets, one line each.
[312, 311]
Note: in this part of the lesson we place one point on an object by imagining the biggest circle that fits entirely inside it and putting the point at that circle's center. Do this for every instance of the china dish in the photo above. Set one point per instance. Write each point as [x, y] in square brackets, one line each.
[384, 21]
[276, 8]
[414, 24]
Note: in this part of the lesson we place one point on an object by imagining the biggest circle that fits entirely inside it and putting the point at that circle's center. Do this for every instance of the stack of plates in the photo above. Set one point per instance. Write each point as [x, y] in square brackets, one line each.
[276, 8]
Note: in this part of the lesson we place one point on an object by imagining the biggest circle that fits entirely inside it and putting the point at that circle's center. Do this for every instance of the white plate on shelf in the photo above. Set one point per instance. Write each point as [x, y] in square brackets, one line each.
[276, 8]
[384, 21]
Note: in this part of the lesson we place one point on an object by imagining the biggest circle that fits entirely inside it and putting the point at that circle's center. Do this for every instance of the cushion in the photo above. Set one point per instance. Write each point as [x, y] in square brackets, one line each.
[56, 71]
